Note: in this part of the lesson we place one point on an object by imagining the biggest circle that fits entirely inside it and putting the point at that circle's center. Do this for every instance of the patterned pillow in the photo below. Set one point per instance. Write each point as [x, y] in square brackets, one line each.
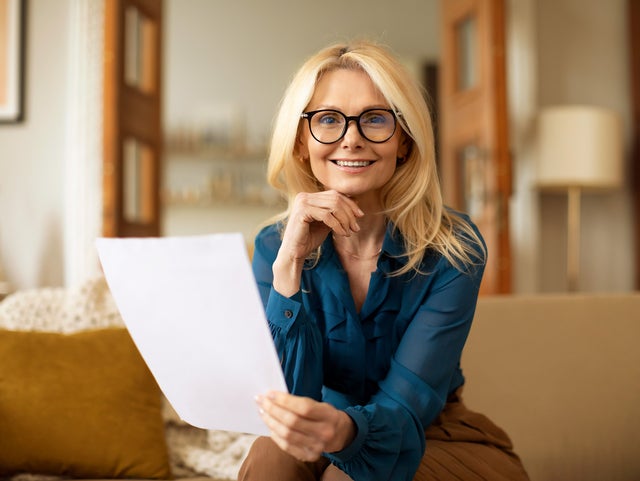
[56, 309]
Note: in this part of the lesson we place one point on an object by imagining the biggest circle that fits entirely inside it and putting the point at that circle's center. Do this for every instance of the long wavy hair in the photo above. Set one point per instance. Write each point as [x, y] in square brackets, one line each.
[412, 198]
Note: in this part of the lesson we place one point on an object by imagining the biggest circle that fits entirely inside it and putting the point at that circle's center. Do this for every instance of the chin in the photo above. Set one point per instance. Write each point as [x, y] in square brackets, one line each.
[348, 190]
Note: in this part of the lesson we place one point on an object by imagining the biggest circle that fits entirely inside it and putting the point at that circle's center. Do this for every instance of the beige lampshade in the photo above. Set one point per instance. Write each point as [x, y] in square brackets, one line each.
[580, 146]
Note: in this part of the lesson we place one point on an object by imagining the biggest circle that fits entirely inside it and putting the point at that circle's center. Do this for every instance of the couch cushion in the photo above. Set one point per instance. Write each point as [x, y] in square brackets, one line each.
[560, 374]
[80, 405]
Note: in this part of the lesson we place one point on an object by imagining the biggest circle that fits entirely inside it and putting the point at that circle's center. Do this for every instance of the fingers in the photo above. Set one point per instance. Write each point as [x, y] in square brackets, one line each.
[303, 407]
[337, 211]
[313, 217]
[346, 222]
[301, 426]
[298, 444]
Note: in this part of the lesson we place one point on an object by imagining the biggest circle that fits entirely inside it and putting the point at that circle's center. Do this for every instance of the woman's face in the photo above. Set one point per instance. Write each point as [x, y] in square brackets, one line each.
[353, 165]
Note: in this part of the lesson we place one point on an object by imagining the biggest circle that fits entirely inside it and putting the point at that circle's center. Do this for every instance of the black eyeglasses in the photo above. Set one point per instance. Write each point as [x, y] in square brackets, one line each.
[328, 126]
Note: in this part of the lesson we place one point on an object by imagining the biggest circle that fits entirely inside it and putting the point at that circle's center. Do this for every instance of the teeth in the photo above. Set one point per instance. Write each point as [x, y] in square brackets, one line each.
[347, 163]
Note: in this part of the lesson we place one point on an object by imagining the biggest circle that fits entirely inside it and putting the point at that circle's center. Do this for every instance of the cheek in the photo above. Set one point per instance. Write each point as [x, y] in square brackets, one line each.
[318, 166]
[392, 152]
[317, 153]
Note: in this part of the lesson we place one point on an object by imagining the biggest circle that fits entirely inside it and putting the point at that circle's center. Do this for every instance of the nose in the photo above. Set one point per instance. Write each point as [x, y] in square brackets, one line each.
[352, 134]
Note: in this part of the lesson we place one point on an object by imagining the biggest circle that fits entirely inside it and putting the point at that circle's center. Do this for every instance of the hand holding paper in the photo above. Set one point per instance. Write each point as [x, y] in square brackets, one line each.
[193, 309]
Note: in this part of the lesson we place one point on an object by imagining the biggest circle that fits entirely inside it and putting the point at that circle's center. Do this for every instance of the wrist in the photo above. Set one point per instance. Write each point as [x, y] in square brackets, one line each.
[287, 273]
[345, 432]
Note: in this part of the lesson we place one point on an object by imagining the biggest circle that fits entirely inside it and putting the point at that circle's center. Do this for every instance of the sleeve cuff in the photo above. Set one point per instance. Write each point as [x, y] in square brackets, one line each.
[362, 427]
[283, 311]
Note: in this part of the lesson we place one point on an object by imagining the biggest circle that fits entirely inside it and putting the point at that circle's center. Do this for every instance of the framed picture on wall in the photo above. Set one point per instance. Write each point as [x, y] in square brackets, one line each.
[12, 45]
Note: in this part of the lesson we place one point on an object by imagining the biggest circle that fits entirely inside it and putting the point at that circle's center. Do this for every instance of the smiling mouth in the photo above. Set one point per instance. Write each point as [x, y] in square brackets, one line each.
[352, 163]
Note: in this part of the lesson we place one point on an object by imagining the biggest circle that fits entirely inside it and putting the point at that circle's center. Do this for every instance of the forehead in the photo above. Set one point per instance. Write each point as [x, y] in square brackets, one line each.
[346, 89]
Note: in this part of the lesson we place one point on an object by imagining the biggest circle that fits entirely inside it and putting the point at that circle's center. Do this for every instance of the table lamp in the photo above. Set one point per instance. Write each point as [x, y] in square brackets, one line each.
[580, 149]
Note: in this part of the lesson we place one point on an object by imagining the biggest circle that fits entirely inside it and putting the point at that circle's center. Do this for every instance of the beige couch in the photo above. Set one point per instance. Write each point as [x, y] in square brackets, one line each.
[561, 374]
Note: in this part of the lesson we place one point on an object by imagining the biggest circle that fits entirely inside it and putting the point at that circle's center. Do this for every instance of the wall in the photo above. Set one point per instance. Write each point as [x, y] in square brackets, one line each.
[545, 66]
[32, 156]
[236, 58]
[522, 101]
[589, 66]
[242, 54]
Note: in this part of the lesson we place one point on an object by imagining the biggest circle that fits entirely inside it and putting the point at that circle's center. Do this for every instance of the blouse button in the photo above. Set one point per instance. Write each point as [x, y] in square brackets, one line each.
[288, 314]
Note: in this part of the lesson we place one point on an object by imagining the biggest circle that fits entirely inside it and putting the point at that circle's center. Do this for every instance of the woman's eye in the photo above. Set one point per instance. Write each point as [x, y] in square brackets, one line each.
[329, 119]
[374, 119]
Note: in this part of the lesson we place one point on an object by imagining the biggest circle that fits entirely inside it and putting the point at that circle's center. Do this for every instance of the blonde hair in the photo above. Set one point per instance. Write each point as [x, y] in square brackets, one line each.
[412, 198]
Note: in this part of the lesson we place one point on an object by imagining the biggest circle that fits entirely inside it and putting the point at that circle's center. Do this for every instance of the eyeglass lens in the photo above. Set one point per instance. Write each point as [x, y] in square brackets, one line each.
[329, 126]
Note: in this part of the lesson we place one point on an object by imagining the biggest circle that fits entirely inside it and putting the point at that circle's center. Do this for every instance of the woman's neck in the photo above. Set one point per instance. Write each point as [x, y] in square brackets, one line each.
[367, 242]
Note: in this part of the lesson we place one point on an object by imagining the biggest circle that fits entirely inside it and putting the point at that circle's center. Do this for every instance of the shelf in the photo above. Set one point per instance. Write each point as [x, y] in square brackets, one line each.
[214, 153]
[207, 176]
[205, 203]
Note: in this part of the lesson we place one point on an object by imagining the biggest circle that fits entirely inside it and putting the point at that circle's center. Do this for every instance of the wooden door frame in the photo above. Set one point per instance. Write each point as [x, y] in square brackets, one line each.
[491, 76]
[128, 111]
[633, 8]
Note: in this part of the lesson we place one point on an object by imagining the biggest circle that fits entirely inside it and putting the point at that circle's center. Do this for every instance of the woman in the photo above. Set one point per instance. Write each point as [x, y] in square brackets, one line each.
[370, 286]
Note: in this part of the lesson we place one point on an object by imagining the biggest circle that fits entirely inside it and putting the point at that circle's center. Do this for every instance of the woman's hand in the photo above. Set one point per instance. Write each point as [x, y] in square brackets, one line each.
[313, 216]
[303, 427]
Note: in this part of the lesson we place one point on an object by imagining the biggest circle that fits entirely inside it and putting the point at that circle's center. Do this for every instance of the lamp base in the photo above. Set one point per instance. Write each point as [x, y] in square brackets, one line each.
[573, 238]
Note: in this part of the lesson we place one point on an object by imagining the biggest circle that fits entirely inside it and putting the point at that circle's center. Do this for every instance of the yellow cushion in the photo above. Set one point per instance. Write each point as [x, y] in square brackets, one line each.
[80, 405]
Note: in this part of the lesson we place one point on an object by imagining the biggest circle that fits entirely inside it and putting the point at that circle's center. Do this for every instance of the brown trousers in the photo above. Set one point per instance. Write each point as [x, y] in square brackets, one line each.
[461, 445]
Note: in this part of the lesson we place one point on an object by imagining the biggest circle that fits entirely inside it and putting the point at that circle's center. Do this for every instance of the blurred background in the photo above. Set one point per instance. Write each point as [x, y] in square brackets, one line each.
[223, 68]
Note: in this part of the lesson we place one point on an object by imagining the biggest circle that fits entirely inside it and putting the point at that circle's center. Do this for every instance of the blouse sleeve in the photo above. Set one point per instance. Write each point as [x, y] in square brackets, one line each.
[390, 437]
[298, 341]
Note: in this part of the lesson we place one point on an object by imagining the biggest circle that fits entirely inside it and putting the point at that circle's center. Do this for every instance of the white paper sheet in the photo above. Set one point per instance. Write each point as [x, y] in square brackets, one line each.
[193, 309]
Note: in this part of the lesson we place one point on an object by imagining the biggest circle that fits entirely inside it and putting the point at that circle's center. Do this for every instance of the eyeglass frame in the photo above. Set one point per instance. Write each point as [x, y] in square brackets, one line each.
[356, 118]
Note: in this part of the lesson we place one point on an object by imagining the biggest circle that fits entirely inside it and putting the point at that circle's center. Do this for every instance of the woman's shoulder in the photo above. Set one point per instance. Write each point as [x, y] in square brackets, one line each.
[466, 234]
[463, 226]
[461, 216]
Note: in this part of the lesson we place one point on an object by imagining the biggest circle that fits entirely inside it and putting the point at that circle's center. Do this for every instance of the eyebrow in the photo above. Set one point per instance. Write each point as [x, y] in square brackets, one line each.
[332, 107]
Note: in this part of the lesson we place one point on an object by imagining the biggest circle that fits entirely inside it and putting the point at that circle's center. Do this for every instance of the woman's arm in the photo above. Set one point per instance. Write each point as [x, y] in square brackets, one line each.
[299, 424]
[297, 340]
[278, 265]
[313, 216]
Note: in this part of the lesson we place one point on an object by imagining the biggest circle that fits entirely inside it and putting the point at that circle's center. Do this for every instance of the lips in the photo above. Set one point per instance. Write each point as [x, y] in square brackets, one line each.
[352, 163]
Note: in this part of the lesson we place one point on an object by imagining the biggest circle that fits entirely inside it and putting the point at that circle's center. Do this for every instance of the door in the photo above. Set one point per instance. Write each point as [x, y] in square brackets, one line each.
[475, 162]
[633, 7]
[132, 118]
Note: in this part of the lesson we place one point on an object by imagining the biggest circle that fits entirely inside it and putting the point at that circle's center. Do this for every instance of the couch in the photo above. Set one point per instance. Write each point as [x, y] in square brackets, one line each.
[560, 373]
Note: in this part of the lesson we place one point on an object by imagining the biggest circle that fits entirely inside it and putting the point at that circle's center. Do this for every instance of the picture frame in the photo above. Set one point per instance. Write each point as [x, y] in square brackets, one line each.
[12, 52]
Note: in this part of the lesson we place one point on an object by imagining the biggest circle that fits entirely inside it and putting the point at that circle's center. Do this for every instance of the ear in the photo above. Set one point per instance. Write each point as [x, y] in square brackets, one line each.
[300, 150]
[404, 147]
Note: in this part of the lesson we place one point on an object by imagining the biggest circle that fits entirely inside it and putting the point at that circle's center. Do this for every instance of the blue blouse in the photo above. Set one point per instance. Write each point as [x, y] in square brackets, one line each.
[391, 366]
